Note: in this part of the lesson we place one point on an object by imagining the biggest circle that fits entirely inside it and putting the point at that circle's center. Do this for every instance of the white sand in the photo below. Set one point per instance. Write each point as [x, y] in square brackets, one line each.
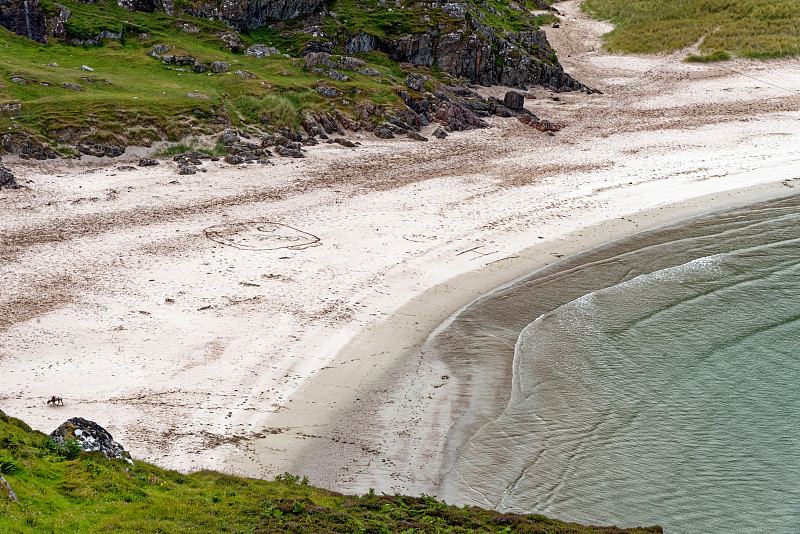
[194, 354]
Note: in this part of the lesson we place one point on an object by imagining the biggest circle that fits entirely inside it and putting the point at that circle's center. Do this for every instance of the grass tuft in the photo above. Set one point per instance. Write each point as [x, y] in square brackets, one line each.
[753, 29]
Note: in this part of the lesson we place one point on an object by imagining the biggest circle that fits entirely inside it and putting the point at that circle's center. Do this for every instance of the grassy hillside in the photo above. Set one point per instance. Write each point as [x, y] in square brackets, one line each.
[61, 490]
[134, 98]
[746, 28]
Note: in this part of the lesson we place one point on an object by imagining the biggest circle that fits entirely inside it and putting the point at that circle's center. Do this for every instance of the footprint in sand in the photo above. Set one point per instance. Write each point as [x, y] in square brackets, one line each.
[261, 234]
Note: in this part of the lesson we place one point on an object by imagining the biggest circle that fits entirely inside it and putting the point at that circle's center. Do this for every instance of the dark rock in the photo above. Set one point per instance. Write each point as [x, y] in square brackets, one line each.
[25, 18]
[317, 46]
[416, 137]
[415, 81]
[126, 168]
[555, 25]
[514, 100]
[100, 150]
[344, 142]
[159, 50]
[289, 152]
[336, 75]
[198, 66]
[7, 179]
[145, 162]
[327, 92]
[231, 41]
[457, 117]
[147, 6]
[228, 137]
[91, 437]
[369, 71]
[233, 159]
[26, 148]
[184, 60]
[71, 86]
[439, 133]
[55, 22]
[167, 59]
[541, 125]
[260, 50]
[383, 132]
[187, 169]
[219, 66]
[362, 42]
[251, 14]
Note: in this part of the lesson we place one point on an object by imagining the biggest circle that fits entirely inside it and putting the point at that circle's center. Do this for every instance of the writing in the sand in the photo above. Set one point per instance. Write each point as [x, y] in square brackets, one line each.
[260, 234]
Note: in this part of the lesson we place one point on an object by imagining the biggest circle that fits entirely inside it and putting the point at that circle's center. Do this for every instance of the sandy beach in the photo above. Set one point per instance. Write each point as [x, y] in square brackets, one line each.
[154, 304]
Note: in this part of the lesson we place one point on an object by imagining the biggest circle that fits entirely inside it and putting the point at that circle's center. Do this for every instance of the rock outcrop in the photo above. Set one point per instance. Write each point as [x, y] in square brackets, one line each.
[24, 17]
[91, 437]
[6, 492]
[476, 53]
[243, 15]
[7, 179]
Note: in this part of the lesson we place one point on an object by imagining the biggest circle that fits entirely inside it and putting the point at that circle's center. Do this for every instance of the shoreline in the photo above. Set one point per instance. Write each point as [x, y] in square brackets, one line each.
[429, 313]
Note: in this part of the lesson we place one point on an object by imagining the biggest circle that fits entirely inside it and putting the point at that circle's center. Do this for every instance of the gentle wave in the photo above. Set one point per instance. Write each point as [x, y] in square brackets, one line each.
[655, 381]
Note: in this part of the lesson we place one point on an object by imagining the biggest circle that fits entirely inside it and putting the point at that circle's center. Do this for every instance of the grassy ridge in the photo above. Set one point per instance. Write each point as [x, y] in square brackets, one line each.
[61, 491]
[754, 29]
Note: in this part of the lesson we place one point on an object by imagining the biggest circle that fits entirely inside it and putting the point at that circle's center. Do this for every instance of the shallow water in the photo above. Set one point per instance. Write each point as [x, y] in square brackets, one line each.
[655, 381]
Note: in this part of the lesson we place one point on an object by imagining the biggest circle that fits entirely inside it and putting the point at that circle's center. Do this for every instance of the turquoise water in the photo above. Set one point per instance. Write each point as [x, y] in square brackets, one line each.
[655, 381]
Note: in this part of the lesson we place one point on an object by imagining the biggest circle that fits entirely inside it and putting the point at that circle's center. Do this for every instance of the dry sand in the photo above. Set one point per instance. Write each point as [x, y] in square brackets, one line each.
[197, 354]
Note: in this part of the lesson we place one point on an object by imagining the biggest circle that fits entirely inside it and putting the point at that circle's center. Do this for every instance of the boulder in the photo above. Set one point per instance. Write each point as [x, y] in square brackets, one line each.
[344, 142]
[327, 92]
[542, 125]
[198, 66]
[26, 148]
[289, 152]
[6, 491]
[188, 169]
[260, 50]
[439, 133]
[245, 74]
[219, 66]
[145, 162]
[415, 81]
[91, 437]
[416, 137]
[231, 41]
[159, 50]
[233, 159]
[514, 101]
[7, 179]
[383, 132]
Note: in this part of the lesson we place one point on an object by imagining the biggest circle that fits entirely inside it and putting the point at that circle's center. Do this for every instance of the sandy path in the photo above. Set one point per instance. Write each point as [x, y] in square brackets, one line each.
[199, 354]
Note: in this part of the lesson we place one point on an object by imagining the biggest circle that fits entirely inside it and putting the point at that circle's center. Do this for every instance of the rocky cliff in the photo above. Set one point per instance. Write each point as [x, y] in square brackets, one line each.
[497, 44]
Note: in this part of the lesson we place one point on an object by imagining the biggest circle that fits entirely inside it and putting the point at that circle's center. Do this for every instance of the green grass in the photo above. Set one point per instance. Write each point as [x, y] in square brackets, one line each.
[132, 98]
[754, 29]
[59, 493]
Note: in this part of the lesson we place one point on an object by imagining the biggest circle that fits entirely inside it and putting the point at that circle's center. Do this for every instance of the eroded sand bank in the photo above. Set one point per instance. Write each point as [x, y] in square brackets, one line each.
[257, 356]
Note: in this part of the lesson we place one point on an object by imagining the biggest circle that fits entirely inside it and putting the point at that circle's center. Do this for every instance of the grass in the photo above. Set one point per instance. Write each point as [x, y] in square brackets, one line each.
[88, 494]
[755, 29]
[132, 98]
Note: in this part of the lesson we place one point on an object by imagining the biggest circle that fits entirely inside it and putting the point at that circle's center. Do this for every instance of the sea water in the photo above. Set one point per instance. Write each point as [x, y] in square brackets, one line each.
[655, 380]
